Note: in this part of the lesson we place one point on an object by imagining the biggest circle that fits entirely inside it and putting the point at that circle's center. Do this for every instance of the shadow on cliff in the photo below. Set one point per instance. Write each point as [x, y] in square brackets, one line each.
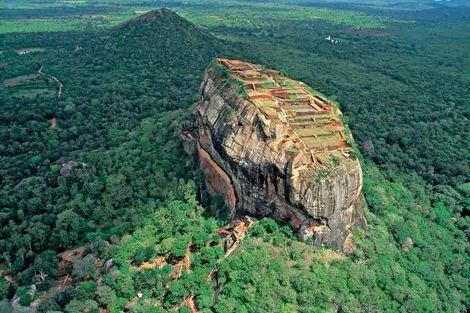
[214, 205]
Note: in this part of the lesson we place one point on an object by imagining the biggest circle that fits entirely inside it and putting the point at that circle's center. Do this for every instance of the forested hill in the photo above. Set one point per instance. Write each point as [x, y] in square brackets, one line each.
[102, 168]
[74, 169]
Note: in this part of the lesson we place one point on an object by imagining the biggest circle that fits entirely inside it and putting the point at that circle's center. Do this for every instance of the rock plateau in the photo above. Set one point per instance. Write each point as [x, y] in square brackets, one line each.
[272, 146]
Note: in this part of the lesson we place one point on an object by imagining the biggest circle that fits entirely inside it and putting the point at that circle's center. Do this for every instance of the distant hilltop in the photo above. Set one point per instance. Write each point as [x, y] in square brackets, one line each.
[148, 17]
[272, 146]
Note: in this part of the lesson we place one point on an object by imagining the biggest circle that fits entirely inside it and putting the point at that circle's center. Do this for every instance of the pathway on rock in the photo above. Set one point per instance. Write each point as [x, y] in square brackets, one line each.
[238, 232]
[235, 234]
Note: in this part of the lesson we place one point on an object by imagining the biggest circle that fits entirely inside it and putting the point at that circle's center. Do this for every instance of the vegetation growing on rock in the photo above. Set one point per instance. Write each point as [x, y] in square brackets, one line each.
[248, 140]
[127, 93]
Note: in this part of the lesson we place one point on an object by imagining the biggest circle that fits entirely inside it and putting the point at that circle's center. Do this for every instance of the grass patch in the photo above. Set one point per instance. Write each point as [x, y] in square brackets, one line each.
[267, 84]
[249, 15]
[245, 14]
[61, 23]
[224, 73]
[22, 80]
[239, 84]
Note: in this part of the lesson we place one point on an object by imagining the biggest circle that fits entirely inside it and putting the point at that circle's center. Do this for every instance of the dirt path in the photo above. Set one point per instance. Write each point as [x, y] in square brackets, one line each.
[238, 233]
[187, 259]
[190, 304]
[53, 122]
[235, 232]
[59, 92]
[8, 278]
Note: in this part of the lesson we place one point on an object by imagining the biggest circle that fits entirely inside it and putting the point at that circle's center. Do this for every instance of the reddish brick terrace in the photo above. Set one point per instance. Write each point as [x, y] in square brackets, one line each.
[313, 119]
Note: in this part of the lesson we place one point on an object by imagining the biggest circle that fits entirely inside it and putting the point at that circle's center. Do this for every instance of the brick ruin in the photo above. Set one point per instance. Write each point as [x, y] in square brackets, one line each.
[272, 146]
[312, 121]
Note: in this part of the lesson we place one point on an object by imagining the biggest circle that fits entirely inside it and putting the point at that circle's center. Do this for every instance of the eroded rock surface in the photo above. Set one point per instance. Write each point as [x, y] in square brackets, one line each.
[272, 146]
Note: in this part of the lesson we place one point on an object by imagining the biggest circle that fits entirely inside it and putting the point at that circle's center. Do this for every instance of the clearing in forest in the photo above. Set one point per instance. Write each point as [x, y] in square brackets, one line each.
[22, 80]
[29, 50]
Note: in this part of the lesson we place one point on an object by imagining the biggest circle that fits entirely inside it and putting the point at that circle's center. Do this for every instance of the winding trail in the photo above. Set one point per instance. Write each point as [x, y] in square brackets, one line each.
[59, 92]
[239, 231]
[234, 233]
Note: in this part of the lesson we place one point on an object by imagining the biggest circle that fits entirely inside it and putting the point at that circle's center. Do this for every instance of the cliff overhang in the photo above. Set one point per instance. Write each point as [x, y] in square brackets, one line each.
[272, 146]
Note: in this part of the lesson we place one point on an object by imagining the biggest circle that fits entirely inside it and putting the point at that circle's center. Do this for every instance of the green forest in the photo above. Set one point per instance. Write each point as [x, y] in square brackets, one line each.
[92, 159]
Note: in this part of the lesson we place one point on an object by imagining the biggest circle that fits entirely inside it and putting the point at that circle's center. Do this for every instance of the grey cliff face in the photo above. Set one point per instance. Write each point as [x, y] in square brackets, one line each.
[245, 158]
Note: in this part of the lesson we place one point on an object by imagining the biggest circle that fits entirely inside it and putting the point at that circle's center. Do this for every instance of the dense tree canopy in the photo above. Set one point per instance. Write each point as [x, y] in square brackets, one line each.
[102, 166]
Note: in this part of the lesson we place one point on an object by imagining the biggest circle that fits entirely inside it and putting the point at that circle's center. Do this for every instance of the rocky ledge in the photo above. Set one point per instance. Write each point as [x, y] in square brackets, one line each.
[272, 146]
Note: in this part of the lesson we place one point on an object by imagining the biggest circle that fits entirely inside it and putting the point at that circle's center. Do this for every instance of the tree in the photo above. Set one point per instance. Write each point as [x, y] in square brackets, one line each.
[144, 254]
[85, 268]
[68, 228]
[78, 306]
[86, 290]
[6, 289]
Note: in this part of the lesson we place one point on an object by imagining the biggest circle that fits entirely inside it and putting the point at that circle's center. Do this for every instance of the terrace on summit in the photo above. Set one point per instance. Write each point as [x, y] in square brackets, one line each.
[313, 123]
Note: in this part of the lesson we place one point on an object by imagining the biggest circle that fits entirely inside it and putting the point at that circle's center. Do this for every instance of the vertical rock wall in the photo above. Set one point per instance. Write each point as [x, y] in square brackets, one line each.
[241, 158]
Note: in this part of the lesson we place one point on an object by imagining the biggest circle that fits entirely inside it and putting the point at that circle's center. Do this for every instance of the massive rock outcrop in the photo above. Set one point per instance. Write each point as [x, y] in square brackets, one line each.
[271, 146]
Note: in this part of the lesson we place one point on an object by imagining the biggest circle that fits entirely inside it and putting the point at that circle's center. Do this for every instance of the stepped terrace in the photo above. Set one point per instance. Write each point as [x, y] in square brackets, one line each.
[313, 123]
